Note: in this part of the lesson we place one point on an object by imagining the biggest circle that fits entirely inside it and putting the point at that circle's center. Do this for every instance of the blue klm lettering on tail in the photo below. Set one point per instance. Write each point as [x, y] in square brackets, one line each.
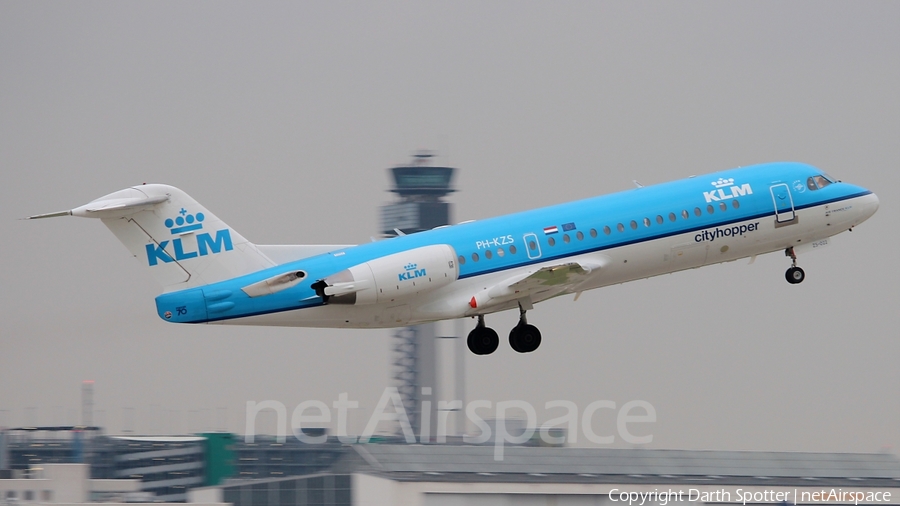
[206, 245]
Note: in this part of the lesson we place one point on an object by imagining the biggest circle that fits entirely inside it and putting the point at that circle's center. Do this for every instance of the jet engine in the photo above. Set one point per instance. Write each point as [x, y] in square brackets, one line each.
[392, 277]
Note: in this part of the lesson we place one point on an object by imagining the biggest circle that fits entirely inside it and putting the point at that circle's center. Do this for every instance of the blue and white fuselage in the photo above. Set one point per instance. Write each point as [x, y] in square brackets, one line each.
[214, 275]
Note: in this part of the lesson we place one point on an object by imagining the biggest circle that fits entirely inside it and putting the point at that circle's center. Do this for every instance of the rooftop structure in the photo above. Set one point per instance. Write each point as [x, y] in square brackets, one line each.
[624, 466]
[389, 474]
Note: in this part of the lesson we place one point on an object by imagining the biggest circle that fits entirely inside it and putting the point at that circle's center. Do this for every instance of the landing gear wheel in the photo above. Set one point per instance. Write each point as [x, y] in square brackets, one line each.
[794, 275]
[524, 338]
[483, 340]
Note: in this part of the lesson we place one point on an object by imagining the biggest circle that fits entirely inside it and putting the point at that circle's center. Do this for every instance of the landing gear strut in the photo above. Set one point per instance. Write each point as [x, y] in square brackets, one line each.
[483, 340]
[794, 274]
[524, 338]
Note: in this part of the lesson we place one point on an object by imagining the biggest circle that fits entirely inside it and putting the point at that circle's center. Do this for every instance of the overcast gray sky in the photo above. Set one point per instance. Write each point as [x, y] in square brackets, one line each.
[276, 115]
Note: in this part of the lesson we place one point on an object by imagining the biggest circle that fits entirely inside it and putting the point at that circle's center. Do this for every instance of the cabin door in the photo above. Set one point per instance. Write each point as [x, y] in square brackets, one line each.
[784, 204]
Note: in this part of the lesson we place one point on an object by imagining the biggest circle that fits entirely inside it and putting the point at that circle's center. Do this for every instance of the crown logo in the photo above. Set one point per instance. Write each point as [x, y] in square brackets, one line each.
[185, 222]
[411, 267]
[721, 183]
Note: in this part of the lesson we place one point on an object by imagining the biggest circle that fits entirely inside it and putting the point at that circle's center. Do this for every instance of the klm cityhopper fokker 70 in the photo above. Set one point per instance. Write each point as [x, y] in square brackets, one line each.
[212, 274]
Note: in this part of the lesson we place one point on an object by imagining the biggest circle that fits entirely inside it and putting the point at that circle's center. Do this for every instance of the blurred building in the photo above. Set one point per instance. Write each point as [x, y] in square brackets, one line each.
[219, 467]
[266, 457]
[69, 484]
[164, 468]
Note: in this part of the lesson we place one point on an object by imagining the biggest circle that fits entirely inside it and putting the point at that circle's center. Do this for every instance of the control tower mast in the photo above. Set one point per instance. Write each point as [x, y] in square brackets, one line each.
[420, 187]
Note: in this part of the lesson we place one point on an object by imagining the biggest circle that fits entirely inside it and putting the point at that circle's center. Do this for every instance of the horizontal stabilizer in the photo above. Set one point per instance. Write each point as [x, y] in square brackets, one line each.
[50, 215]
[114, 205]
[118, 207]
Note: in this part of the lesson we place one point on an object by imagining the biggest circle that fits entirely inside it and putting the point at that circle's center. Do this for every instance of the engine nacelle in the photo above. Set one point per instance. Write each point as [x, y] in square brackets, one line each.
[392, 277]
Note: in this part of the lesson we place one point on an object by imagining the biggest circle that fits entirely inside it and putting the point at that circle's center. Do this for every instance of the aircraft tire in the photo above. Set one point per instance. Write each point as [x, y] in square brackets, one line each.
[795, 275]
[483, 341]
[524, 338]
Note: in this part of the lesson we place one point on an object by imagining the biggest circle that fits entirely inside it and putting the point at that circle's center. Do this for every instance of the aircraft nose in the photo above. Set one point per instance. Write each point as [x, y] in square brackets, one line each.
[869, 206]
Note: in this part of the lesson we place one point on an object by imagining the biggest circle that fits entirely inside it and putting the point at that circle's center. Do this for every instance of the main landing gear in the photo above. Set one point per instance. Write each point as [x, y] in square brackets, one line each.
[794, 274]
[523, 338]
[483, 340]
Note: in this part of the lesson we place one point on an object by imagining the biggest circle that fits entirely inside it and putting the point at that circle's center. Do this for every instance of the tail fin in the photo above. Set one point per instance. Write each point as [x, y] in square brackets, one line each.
[180, 241]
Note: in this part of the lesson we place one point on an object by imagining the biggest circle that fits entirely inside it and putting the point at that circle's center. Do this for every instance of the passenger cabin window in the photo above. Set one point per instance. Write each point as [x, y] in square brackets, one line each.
[488, 254]
[474, 257]
[684, 214]
[633, 225]
[566, 238]
[606, 230]
[698, 212]
[672, 217]
[710, 209]
[462, 260]
[646, 222]
[594, 232]
[500, 252]
[512, 250]
[579, 235]
[532, 245]
[620, 227]
[551, 241]
[723, 206]
[735, 204]
[659, 219]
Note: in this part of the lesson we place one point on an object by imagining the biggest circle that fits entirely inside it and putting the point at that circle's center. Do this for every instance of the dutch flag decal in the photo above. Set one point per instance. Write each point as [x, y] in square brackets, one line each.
[551, 230]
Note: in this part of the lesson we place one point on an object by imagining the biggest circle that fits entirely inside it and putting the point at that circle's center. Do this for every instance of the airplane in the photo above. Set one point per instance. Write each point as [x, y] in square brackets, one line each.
[212, 274]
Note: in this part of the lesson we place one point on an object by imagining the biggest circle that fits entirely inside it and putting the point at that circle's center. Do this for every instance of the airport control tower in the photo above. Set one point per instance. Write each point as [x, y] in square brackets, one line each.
[420, 187]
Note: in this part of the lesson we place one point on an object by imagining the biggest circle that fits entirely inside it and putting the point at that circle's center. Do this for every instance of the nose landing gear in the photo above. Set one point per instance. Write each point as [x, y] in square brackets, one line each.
[794, 274]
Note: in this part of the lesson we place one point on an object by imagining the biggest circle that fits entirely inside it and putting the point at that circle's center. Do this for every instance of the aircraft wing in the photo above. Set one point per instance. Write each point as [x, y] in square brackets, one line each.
[537, 284]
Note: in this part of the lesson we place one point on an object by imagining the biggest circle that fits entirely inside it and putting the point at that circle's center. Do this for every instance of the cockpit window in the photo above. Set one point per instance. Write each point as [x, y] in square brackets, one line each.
[820, 181]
